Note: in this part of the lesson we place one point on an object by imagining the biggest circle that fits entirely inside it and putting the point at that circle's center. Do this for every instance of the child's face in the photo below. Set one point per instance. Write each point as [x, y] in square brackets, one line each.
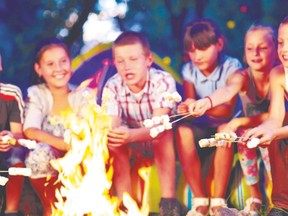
[132, 65]
[260, 50]
[206, 59]
[283, 44]
[55, 67]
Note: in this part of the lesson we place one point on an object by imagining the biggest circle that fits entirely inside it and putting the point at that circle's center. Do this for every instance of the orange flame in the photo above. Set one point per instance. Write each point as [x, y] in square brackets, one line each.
[85, 171]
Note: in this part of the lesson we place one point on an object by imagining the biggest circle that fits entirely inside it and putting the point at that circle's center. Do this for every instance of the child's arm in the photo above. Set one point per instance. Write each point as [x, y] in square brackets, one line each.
[189, 90]
[246, 122]
[270, 128]
[122, 135]
[42, 136]
[277, 104]
[16, 129]
[222, 99]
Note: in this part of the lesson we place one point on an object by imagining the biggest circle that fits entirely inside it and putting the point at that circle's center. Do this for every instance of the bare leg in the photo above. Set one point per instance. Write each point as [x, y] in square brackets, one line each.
[121, 166]
[222, 167]
[165, 162]
[46, 192]
[189, 158]
[13, 190]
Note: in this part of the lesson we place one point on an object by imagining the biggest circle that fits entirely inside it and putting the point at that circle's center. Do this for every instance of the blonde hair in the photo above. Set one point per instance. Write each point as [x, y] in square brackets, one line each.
[270, 31]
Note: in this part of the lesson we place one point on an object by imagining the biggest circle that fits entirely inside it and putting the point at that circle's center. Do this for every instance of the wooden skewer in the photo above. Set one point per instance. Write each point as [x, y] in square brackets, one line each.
[176, 115]
[181, 118]
[4, 171]
[236, 140]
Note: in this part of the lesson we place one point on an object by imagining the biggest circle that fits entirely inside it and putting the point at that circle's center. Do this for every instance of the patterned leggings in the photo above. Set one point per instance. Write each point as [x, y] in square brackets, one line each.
[249, 163]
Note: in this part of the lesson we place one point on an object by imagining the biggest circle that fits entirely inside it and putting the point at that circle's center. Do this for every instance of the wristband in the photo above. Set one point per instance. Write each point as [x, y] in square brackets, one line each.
[211, 103]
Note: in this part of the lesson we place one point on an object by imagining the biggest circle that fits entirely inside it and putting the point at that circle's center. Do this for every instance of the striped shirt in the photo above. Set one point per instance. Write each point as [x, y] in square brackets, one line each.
[11, 105]
[135, 108]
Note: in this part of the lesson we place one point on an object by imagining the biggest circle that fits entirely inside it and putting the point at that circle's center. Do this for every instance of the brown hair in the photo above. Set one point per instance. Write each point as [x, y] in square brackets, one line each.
[202, 33]
[41, 47]
[285, 20]
[130, 37]
[45, 44]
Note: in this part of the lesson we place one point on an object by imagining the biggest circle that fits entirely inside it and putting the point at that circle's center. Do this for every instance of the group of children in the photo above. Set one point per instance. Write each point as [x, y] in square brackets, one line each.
[214, 85]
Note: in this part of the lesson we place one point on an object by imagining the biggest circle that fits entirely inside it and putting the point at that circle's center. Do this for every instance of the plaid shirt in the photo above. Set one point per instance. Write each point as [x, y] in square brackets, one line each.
[135, 108]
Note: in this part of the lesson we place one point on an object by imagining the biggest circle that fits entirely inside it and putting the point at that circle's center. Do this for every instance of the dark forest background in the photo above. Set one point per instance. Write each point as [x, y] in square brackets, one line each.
[24, 22]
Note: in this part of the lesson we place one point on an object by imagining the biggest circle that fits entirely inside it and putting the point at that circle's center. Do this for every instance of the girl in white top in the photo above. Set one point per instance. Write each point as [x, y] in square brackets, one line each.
[47, 102]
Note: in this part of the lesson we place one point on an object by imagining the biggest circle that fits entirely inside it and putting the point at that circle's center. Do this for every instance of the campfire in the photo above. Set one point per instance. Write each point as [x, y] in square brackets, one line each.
[85, 171]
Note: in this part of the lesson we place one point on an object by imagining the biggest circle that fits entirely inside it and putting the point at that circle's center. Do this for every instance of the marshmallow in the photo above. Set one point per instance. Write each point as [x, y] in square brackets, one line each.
[9, 140]
[167, 125]
[253, 143]
[176, 96]
[30, 144]
[156, 120]
[160, 128]
[153, 132]
[3, 180]
[148, 123]
[204, 143]
[165, 118]
[19, 171]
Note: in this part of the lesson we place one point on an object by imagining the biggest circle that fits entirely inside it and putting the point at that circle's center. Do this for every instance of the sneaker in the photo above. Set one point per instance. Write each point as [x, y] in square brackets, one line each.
[170, 207]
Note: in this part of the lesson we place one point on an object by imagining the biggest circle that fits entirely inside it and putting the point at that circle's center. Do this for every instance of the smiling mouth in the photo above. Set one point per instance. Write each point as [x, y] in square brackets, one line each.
[285, 57]
[59, 76]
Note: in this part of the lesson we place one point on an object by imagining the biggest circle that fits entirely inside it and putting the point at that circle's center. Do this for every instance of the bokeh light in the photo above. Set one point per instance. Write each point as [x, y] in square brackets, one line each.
[231, 24]
[243, 8]
[167, 60]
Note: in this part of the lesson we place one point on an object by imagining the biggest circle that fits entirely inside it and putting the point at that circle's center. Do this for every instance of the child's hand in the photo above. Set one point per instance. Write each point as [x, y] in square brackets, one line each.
[4, 145]
[118, 136]
[183, 107]
[265, 135]
[199, 107]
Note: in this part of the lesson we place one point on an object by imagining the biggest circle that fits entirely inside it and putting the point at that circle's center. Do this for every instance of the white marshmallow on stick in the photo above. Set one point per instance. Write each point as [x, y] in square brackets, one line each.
[30, 144]
[3, 180]
[253, 143]
[19, 171]
[173, 97]
[148, 123]
[176, 96]
[9, 140]
[153, 132]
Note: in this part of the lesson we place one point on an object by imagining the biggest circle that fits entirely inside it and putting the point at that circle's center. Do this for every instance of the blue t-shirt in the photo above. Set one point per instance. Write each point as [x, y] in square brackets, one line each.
[206, 85]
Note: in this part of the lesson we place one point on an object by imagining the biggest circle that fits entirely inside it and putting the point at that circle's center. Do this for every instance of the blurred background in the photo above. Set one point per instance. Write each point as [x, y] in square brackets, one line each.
[85, 24]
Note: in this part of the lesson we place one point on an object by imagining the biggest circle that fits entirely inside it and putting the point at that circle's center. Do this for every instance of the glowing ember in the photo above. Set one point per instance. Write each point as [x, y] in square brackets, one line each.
[85, 171]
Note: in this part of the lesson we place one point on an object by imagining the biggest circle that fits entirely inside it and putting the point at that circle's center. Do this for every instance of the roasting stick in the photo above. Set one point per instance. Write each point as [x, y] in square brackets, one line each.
[185, 116]
[14, 171]
[180, 114]
[221, 138]
[158, 124]
[17, 171]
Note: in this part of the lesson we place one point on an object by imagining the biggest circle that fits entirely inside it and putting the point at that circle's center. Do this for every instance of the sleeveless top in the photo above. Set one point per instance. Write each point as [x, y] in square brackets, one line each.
[251, 102]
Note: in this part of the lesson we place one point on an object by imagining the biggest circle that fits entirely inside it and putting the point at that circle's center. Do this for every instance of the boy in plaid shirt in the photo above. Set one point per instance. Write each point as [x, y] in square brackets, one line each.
[136, 94]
